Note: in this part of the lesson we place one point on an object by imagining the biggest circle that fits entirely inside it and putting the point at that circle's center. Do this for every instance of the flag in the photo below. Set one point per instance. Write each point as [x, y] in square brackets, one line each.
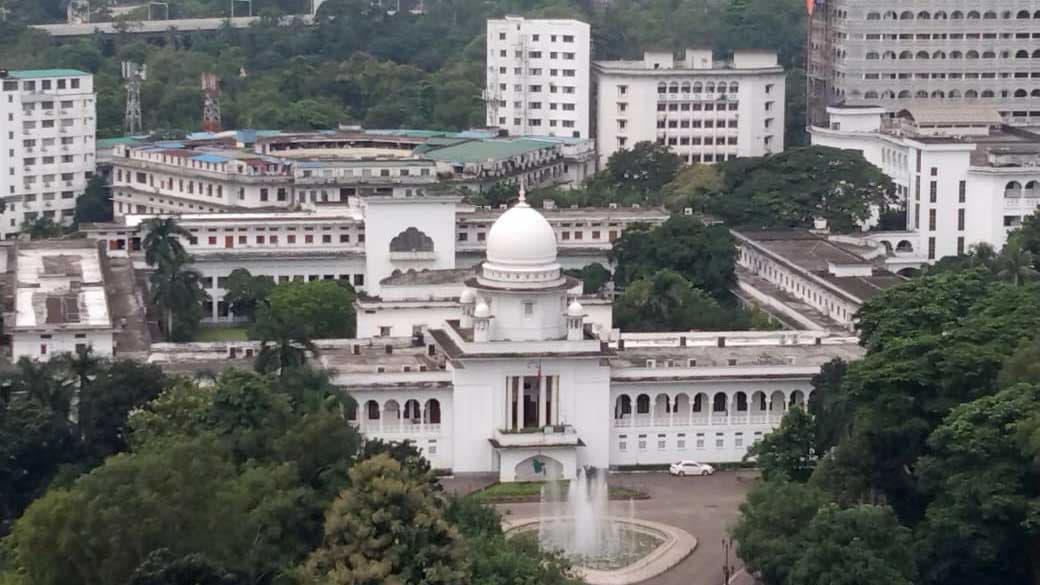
[810, 5]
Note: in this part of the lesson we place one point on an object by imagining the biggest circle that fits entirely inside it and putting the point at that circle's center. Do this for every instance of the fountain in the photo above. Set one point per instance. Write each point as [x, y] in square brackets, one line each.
[605, 549]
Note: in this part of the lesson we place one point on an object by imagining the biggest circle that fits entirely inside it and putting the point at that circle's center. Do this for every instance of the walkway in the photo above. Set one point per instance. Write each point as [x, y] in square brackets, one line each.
[126, 304]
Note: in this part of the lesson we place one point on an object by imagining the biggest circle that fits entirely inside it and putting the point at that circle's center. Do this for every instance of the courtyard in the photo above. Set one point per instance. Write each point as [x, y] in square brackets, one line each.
[703, 506]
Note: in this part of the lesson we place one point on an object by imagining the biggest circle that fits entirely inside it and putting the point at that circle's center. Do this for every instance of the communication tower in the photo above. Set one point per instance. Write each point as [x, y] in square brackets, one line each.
[210, 102]
[133, 74]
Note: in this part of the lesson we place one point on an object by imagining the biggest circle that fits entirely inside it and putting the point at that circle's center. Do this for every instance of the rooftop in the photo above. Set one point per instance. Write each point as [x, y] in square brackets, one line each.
[59, 284]
[44, 73]
[484, 150]
[429, 277]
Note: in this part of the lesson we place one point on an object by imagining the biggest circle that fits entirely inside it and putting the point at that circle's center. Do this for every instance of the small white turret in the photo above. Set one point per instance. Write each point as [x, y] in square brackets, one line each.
[575, 319]
[481, 322]
[467, 300]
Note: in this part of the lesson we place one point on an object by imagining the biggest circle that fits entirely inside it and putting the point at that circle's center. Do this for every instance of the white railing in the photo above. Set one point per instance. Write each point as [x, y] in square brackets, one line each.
[372, 427]
[665, 420]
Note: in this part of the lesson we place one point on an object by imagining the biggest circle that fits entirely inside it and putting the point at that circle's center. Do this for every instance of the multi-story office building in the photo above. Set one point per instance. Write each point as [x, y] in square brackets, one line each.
[538, 77]
[46, 144]
[705, 110]
[229, 173]
[897, 54]
[965, 177]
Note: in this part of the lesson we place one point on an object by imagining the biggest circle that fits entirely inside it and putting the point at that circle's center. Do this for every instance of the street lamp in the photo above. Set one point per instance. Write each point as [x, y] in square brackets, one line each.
[157, 3]
[232, 3]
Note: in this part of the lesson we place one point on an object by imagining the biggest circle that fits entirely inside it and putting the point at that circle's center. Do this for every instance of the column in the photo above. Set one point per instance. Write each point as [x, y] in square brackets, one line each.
[520, 404]
[556, 399]
[542, 418]
[673, 405]
[382, 416]
[509, 404]
[422, 417]
[750, 405]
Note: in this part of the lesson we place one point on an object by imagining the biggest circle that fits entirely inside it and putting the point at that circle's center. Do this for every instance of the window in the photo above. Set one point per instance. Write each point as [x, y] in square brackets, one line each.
[700, 440]
[931, 248]
[680, 441]
[622, 443]
[642, 442]
[720, 440]
[960, 219]
[528, 308]
[263, 194]
[662, 442]
[738, 439]
[931, 220]
[933, 192]
[962, 191]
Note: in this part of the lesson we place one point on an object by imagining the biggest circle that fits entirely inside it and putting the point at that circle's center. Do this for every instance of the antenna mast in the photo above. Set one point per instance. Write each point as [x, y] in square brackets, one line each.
[210, 102]
[134, 74]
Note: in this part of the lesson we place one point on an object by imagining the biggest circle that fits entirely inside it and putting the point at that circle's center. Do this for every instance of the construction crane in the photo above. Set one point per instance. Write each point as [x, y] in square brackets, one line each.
[210, 102]
[133, 74]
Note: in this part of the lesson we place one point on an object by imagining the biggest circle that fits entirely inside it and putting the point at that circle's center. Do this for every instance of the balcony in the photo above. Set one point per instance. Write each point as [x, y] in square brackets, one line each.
[549, 436]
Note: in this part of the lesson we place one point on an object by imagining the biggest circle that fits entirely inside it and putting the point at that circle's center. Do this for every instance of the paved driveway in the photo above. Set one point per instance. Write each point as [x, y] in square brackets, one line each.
[703, 506]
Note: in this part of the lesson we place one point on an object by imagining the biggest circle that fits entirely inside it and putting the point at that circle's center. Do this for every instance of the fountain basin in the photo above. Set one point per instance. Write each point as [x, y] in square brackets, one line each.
[653, 548]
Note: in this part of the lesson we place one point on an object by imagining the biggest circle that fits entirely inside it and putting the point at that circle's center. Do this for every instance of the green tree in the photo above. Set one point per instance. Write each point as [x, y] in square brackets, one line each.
[43, 382]
[980, 526]
[862, 545]
[692, 184]
[176, 291]
[797, 186]
[770, 531]
[593, 277]
[95, 204]
[666, 301]
[41, 228]
[388, 527]
[115, 390]
[645, 168]
[830, 405]
[703, 255]
[244, 292]
[162, 240]
[788, 451]
[162, 567]
[1016, 263]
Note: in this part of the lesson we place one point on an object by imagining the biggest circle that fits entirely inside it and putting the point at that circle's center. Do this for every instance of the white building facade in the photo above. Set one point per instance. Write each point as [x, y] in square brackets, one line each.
[964, 179]
[538, 76]
[46, 144]
[704, 110]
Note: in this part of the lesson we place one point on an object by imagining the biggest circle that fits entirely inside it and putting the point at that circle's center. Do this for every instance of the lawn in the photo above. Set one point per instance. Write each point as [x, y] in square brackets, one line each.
[221, 334]
[532, 490]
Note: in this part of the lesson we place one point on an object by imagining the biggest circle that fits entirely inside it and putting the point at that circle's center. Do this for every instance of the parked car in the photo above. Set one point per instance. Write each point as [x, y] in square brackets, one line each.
[682, 468]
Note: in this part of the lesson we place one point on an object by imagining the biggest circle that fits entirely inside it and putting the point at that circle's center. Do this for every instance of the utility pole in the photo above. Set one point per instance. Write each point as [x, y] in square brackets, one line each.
[727, 570]
[134, 74]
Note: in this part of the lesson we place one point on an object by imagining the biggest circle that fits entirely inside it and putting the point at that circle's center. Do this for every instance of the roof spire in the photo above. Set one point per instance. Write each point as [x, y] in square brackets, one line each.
[523, 195]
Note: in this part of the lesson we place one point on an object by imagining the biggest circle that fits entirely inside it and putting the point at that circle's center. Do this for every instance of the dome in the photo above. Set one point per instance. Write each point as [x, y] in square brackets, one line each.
[482, 311]
[521, 251]
[575, 309]
[468, 297]
[521, 238]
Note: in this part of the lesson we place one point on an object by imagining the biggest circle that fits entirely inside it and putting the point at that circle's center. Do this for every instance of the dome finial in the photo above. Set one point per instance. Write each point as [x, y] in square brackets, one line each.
[523, 195]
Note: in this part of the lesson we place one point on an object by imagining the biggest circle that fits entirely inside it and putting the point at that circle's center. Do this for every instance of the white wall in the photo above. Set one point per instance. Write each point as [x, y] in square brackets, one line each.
[402, 319]
[385, 218]
[31, 344]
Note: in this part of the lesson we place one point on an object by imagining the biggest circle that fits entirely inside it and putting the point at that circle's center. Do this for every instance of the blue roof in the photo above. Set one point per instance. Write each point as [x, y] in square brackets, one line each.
[38, 73]
[210, 158]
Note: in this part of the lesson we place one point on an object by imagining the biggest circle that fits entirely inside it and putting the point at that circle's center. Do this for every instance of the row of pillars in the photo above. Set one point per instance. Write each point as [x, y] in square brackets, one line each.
[548, 403]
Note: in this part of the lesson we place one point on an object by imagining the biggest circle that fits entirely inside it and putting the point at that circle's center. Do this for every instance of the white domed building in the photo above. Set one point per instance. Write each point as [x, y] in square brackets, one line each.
[515, 379]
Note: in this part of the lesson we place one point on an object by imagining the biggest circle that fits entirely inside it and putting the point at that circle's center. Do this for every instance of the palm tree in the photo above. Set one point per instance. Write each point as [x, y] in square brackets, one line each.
[285, 343]
[83, 364]
[1015, 262]
[176, 289]
[162, 241]
[44, 383]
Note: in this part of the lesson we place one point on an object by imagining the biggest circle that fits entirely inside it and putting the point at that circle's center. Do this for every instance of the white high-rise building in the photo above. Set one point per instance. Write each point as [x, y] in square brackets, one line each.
[538, 77]
[705, 110]
[46, 145]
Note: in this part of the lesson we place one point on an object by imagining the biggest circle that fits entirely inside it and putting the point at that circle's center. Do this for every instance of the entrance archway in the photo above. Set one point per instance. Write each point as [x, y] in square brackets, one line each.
[539, 468]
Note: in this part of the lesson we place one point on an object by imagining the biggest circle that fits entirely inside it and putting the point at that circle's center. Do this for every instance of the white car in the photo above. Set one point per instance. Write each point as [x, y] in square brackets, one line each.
[682, 468]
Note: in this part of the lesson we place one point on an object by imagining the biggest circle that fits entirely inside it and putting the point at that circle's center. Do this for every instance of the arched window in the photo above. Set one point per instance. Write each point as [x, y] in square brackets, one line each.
[938, 55]
[432, 414]
[938, 94]
[906, 15]
[1036, 15]
[1021, 93]
[1035, 93]
[889, 55]
[924, 15]
[891, 15]
[1013, 190]
[956, 15]
[954, 94]
[718, 402]
[974, 15]
[922, 55]
[941, 15]
[988, 93]
[888, 94]
[906, 55]
[922, 94]
[673, 87]
[1022, 15]
[956, 55]
[1022, 55]
[372, 410]
[662, 87]
[1036, 54]
[1032, 189]
[709, 87]
[698, 87]
[971, 94]
[871, 95]
[643, 404]
[989, 15]
[685, 87]
[411, 240]
[412, 412]
[905, 93]
[989, 55]
[734, 87]
[971, 55]
[873, 16]
[904, 246]
[623, 406]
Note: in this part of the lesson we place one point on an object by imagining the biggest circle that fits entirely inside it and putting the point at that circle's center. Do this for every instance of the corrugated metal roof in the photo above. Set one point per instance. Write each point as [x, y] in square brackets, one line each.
[952, 115]
[210, 158]
[40, 73]
[482, 150]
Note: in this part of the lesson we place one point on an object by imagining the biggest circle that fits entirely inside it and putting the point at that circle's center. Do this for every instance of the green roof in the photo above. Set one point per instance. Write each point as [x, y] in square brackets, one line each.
[482, 150]
[109, 142]
[38, 73]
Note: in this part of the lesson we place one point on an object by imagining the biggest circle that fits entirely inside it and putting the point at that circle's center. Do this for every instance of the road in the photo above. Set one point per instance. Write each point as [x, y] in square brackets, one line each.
[703, 506]
[158, 26]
